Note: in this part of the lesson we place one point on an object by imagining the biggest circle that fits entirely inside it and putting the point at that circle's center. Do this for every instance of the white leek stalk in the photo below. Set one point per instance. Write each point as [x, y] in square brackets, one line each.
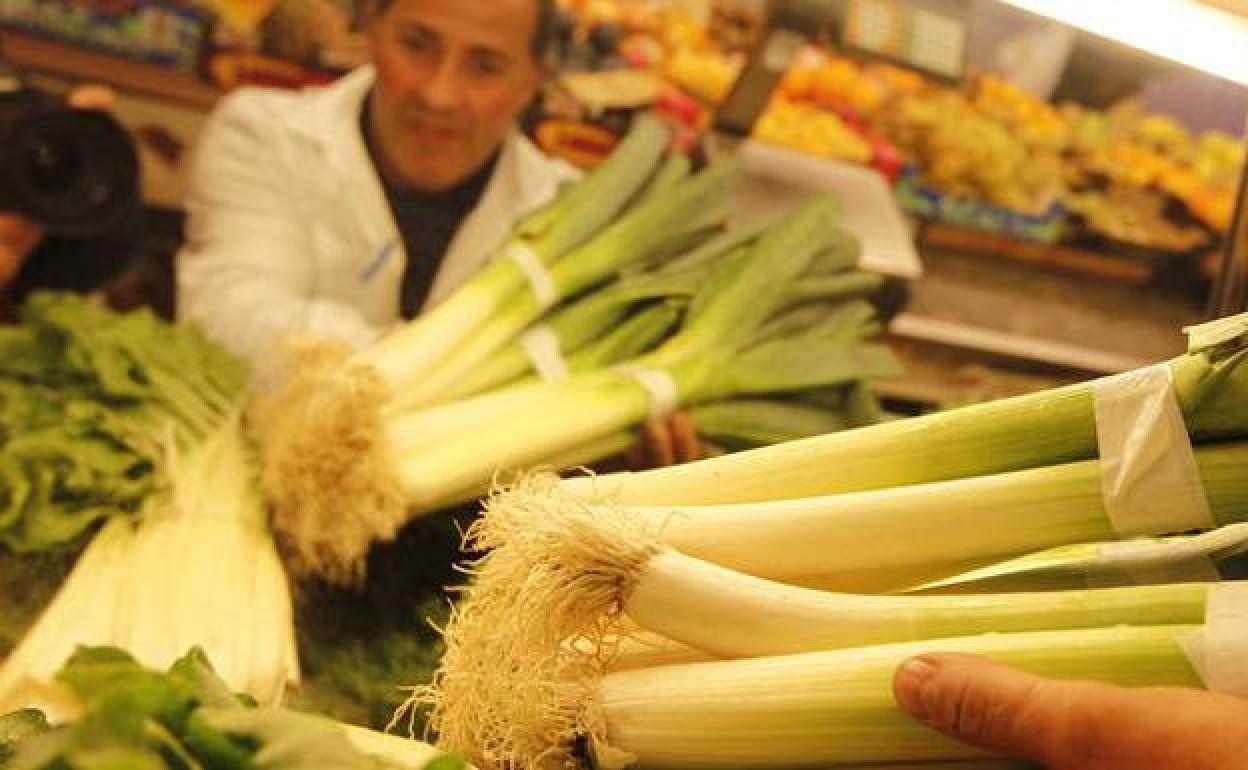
[81, 613]
[606, 561]
[913, 534]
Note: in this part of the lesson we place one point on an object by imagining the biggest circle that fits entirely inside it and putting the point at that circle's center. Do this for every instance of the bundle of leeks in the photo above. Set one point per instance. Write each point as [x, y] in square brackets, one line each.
[554, 372]
[665, 618]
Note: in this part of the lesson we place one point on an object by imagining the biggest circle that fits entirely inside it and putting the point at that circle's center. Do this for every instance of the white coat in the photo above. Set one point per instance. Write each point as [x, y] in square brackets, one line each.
[289, 230]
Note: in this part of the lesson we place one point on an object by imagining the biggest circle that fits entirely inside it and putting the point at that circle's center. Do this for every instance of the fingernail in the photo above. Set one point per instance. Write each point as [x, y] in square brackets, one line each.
[908, 686]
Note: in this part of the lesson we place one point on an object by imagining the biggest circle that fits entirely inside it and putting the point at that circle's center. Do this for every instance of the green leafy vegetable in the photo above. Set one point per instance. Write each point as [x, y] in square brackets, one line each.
[134, 718]
[89, 402]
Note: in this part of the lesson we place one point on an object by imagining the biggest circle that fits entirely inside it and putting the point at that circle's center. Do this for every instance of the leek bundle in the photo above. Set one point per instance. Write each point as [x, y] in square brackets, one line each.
[576, 325]
[151, 578]
[323, 433]
[573, 580]
[660, 293]
[530, 670]
[727, 322]
[827, 708]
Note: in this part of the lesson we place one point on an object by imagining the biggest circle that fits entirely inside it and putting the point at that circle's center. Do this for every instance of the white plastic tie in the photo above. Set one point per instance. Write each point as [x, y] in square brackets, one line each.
[1219, 650]
[541, 345]
[1149, 476]
[662, 389]
[541, 282]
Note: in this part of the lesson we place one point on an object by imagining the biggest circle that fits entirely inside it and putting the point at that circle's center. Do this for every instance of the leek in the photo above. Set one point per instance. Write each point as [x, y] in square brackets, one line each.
[586, 208]
[646, 649]
[813, 709]
[842, 251]
[1038, 429]
[897, 533]
[747, 423]
[528, 646]
[1138, 561]
[821, 709]
[586, 318]
[633, 337]
[837, 287]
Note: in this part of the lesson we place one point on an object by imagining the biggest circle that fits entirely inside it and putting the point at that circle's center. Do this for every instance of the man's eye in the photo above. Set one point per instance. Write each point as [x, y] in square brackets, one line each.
[488, 65]
[418, 44]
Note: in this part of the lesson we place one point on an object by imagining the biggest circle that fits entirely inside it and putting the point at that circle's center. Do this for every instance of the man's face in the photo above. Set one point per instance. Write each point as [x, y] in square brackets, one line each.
[452, 75]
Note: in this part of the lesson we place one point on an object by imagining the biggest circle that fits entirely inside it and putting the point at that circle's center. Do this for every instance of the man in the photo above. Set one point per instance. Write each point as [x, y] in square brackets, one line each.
[340, 211]
[1068, 725]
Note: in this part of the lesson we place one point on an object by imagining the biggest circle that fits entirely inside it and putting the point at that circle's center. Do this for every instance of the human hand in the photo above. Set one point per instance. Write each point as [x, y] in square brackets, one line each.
[18, 237]
[92, 97]
[670, 442]
[1071, 725]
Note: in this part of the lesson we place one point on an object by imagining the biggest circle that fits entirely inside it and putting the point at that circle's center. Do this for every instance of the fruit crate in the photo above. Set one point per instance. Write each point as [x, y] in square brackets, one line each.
[926, 202]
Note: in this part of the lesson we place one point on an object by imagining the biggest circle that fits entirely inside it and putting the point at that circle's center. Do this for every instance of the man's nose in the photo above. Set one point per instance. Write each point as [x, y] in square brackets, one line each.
[442, 90]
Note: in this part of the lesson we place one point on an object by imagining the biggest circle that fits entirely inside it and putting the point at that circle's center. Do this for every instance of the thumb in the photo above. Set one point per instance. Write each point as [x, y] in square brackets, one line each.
[980, 702]
[1070, 724]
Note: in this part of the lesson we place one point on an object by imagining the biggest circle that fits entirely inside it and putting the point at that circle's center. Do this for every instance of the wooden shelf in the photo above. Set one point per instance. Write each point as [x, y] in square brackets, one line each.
[83, 64]
[1064, 258]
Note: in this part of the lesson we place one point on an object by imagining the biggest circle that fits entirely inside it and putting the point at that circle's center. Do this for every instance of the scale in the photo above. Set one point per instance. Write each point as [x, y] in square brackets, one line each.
[1230, 289]
[776, 179]
[928, 36]
[925, 35]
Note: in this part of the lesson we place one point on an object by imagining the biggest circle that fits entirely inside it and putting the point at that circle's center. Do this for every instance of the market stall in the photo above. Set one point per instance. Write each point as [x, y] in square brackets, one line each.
[945, 342]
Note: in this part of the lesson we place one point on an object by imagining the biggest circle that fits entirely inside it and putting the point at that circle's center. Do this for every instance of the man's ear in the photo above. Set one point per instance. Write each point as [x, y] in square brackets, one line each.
[542, 73]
